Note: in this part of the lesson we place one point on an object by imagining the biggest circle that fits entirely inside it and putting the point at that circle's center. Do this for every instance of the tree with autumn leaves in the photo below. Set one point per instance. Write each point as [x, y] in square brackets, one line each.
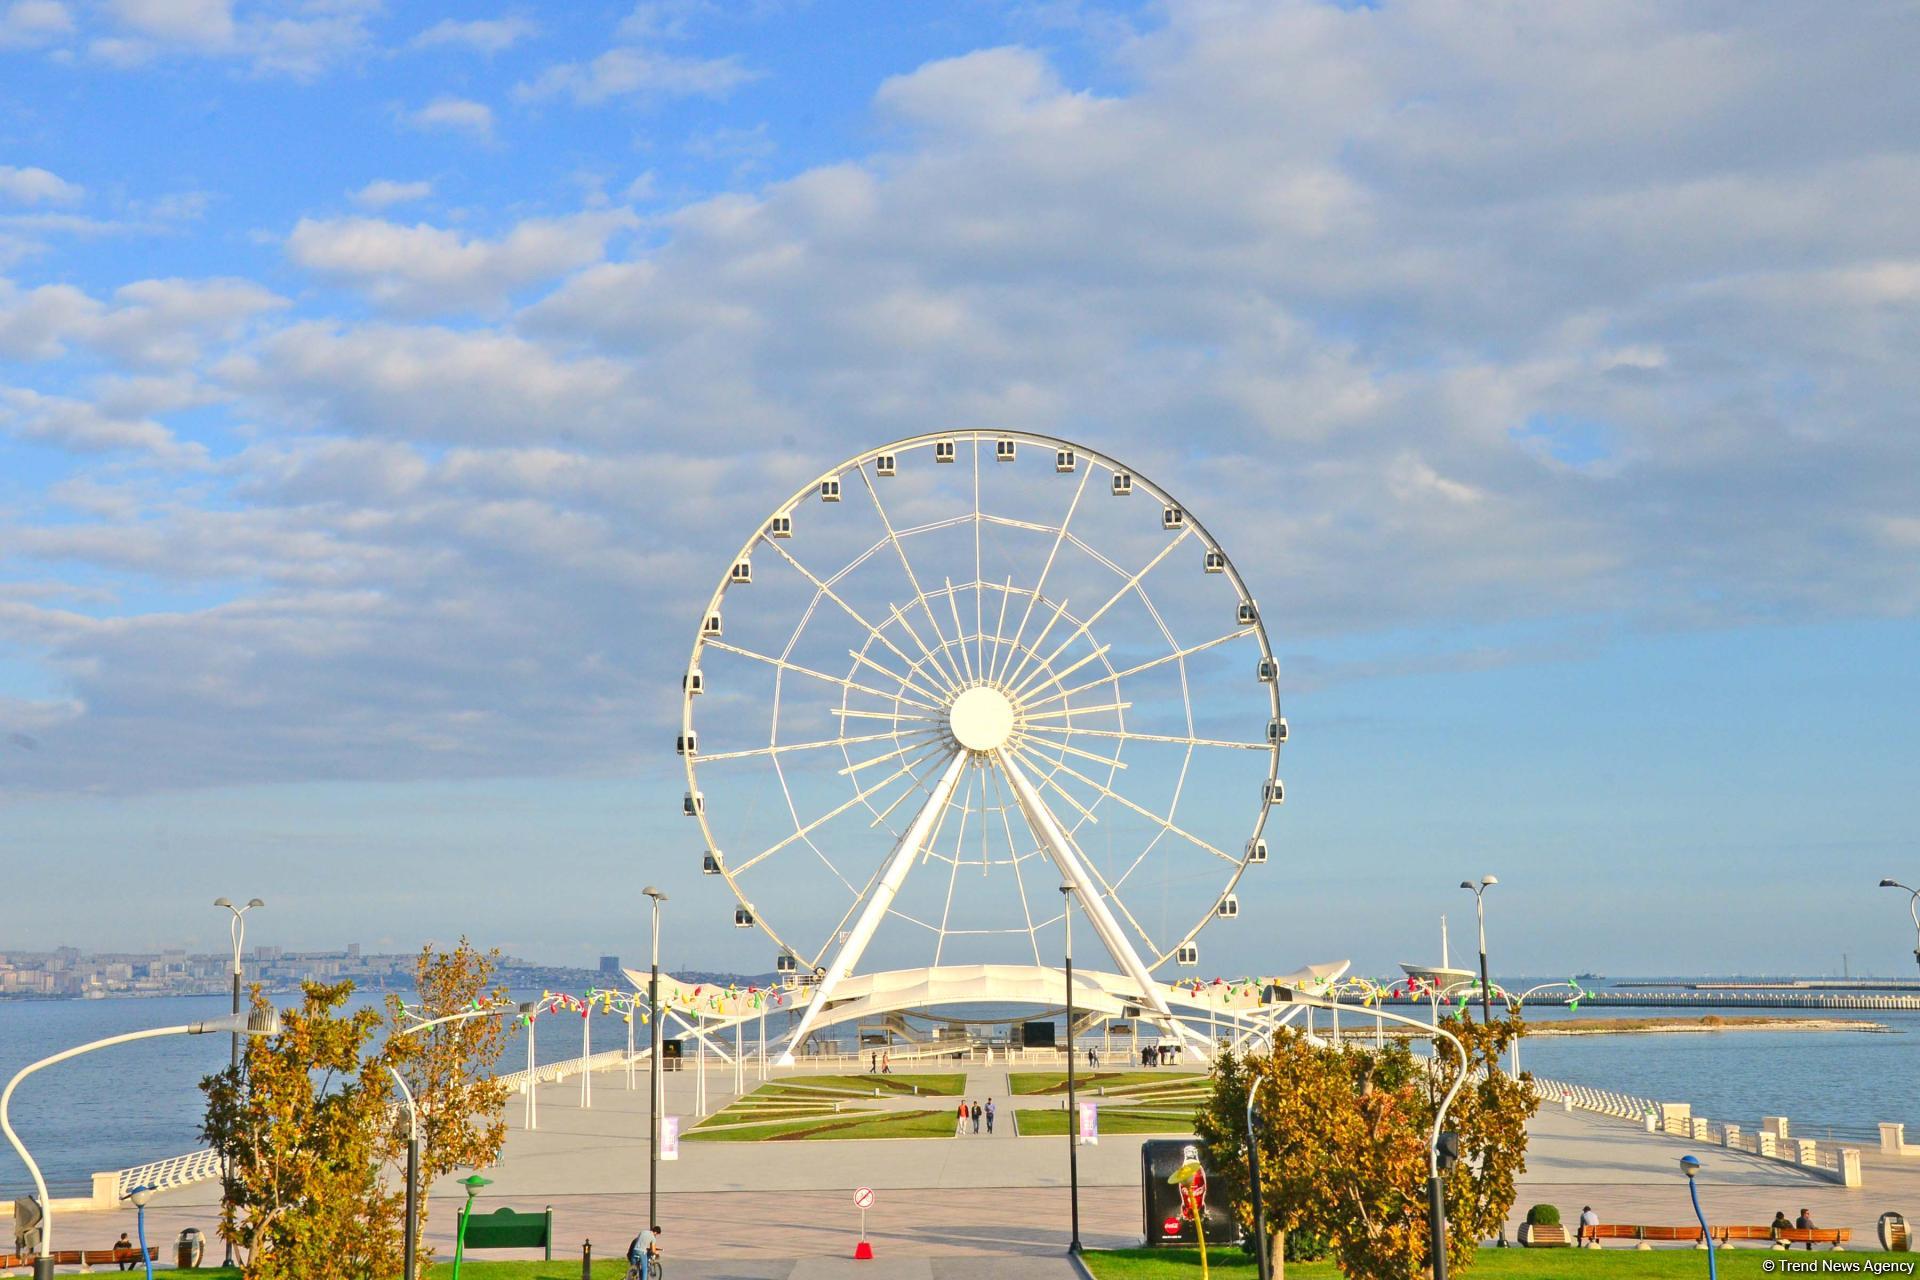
[313, 1131]
[1343, 1137]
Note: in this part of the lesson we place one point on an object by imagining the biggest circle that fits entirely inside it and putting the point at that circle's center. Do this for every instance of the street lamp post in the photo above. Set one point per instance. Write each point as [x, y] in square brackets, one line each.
[140, 1195]
[266, 1023]
[1913, 909]
[1479, 889]
[238, 930]
[1436, 1203]
[653, 1066]
[1261, 1261]
[1073, 1109]
[1691, 1166]
[411, 1235]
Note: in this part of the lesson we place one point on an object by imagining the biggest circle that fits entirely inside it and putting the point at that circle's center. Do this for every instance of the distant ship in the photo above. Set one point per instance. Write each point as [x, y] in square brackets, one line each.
[1441, 975]
[1591, 977]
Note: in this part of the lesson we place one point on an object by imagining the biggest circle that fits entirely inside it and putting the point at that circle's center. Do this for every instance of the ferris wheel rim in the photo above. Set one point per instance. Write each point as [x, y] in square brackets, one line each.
[1092, 459]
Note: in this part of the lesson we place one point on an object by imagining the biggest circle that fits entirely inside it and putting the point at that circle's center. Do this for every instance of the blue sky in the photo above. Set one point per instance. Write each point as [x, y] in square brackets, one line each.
[383, 387]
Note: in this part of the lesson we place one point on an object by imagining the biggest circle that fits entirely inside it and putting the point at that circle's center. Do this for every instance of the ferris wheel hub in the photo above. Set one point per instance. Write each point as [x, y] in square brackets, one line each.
[981, 719]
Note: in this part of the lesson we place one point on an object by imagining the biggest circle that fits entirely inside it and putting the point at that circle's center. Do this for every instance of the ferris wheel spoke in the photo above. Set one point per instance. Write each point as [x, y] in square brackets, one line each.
[979, 599]
[797, 669]
[1149, 815]
[913, 579]
[1027, 718]
[1162, 660]
[1056, 677]
[1129, 736]
[919, 785]
[859, 766]
[953, 872]
[905, 682]
[1041, 584]
[1037, 744]
[1047, 780]
[999, 628]
[1131, 584]
[849, 712]
[834, 596]
[1013, 854]
[788, 747]
[803, 832]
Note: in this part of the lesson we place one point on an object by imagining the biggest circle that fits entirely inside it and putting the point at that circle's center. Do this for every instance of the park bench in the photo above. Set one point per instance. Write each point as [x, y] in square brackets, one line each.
[506, 1229]
[81, 1257]
[1542, 1236]
[1643, 1235]
[1784, 1237]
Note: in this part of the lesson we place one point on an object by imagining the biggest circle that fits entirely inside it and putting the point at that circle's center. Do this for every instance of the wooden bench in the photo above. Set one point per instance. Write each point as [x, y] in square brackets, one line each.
[1642, 1235]
[506, 1229]
[1543, 1236]
[1784, 1237]
[81, 1257]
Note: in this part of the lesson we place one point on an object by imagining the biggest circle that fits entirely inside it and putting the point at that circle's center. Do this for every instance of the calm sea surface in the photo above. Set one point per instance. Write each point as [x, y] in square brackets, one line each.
[132, 1103]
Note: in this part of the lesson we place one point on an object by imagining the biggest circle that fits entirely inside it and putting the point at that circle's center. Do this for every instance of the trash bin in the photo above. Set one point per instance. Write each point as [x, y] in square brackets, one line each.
[187, 1250]
[1895, 1236]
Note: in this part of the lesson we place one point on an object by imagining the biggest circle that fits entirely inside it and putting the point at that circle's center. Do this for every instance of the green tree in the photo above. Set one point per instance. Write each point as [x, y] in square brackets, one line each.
[449, 1069]
[1343, 1137]
[302, 1127]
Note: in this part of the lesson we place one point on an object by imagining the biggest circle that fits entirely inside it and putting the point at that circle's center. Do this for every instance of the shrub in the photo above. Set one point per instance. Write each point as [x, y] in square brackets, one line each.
[1544, 1215]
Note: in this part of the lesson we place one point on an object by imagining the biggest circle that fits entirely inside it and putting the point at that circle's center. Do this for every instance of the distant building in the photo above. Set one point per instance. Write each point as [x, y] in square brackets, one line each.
[610, 964]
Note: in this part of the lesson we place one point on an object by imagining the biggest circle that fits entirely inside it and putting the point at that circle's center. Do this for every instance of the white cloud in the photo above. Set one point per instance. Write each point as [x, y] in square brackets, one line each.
[146, 323]
[487, 35]
[81, 427]
[384, 193]
[432, 384]
[459, 115]
[637, 72]
[426, 268]
[36, 186]
[298, 38]
[27, 24]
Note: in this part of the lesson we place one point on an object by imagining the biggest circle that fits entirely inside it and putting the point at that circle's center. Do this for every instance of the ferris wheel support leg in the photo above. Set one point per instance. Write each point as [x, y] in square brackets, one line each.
[1066, 857]
[899, 862]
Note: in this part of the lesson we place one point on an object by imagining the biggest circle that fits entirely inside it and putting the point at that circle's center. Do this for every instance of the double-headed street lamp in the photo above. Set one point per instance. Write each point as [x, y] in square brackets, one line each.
[238, 929]
[265, 1022]
[1479, 888]
[1913, 909]
[653, 1064]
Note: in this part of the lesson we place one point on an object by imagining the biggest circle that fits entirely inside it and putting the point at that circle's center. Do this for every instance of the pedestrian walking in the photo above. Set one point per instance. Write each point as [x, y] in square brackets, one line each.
[976, 1115]
[886, 1063]
[989, 1116]
[960, 1128]
[873, 1068]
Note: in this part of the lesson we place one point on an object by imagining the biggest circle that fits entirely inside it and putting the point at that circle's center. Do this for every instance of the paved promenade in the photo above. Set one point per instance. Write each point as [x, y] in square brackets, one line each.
[752, 1209]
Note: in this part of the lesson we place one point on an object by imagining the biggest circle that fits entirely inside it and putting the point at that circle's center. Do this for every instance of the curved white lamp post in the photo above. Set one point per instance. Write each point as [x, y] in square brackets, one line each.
[1913, 909]
[263, 1023]
[1437, 1215]
[238, 930]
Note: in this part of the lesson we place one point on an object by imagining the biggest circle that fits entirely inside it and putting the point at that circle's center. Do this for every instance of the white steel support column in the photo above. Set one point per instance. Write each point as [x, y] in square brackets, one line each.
[1067, 858]
[891, 878]
[532, 1120]
[586, 1059]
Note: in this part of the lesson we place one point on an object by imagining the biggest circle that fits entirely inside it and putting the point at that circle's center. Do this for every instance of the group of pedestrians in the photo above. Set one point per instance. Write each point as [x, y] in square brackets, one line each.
[882, 1064]
[971, 1112]
[1160, 1055]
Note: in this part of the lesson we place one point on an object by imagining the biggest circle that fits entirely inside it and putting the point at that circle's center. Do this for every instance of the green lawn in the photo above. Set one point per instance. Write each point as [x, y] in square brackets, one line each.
[938, 1084]
[1048, 1122]
[1530, 1264]
[1030, 1082]
[847, 1124]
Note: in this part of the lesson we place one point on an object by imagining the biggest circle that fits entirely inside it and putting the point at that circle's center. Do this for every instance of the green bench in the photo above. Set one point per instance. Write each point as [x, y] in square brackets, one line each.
[505, 1229]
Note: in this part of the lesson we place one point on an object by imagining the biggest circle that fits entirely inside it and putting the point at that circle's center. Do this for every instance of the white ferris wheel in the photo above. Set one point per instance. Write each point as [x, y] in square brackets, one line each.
[955, 674]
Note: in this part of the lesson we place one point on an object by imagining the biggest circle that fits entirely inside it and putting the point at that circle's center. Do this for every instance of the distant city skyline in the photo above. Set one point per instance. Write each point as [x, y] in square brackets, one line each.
[383, 391]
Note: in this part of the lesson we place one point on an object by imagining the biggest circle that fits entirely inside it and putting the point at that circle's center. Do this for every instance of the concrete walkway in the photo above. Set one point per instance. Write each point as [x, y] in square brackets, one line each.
[945, 1201]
